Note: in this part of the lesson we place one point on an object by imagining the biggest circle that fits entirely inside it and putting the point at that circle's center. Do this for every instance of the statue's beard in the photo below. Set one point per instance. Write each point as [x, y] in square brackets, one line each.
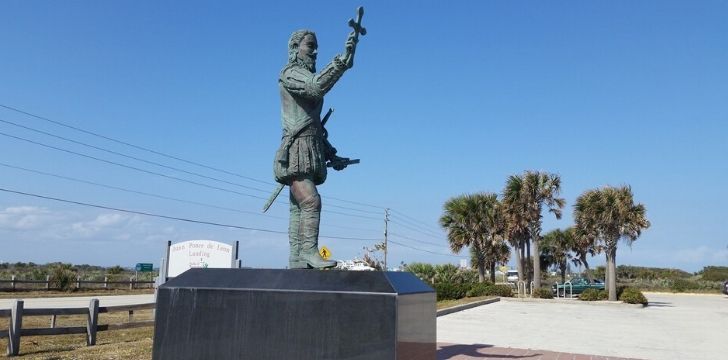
[309, 63]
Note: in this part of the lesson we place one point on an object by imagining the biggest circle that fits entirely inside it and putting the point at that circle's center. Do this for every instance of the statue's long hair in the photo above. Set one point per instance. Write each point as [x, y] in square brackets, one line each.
[294, 42]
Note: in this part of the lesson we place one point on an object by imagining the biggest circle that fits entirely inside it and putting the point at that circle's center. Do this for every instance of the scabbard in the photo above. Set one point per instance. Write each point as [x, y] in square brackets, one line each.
[273, 197]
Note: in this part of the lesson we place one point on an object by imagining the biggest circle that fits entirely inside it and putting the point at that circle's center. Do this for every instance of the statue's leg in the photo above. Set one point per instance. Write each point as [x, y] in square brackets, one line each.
[294, 236]
[305, 193]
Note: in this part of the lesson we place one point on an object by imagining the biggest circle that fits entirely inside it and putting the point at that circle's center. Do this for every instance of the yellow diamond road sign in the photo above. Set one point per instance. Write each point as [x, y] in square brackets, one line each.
[325, 252]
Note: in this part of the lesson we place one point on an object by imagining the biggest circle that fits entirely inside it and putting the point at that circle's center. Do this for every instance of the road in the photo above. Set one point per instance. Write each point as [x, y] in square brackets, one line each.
[80, 301]
[673, 326]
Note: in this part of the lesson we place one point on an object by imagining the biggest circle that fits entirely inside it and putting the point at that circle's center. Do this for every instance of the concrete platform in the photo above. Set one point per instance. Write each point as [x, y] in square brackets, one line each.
[673, 326]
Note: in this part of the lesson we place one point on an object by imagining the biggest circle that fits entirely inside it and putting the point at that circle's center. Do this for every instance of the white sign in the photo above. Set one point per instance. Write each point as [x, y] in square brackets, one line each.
[198, 254]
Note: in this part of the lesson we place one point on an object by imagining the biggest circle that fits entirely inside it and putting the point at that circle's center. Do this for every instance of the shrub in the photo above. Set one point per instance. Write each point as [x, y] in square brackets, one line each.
[715, 273]
[447, 273]
[479, 289]
[500, 290]
[38, 274]
[115, 270]
[62, 278]
[426, 272]
[631, 295]
[449, 291]
[543, 293]
[682, 285]
[593, 295]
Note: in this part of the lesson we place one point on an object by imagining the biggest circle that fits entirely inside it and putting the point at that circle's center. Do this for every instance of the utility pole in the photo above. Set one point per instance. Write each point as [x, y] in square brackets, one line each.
[386, 222]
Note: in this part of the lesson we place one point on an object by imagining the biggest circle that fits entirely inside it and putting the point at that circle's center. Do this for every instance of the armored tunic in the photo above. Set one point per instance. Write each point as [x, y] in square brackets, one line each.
[304, 150]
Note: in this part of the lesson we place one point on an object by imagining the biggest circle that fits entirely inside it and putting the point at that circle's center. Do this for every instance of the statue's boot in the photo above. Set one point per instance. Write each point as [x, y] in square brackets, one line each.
[294, 237]
[310, 219]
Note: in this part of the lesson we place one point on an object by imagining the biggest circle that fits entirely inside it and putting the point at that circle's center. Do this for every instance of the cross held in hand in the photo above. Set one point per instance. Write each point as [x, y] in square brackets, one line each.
[356, 25]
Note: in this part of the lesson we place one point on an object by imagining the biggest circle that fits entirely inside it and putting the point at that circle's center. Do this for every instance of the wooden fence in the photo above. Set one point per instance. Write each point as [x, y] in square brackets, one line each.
[15, 327]
[15, 284]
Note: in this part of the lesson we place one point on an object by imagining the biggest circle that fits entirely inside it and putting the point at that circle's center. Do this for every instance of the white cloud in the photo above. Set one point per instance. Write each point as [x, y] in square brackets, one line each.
[101, 223]
[26, 218]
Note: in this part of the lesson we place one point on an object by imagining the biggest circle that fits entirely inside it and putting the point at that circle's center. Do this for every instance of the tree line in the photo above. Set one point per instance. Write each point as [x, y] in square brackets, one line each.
[495, 225]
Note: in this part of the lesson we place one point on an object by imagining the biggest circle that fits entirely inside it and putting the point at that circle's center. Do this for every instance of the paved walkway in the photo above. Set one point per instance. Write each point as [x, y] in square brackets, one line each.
[673, 327]
[480, 351]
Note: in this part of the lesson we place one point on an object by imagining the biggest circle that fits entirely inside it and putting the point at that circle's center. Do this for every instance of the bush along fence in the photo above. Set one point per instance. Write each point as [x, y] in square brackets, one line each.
[74, 284]
[16, 313]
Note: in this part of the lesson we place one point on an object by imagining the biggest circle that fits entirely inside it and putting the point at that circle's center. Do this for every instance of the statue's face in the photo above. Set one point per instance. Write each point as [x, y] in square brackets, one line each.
[308, 49]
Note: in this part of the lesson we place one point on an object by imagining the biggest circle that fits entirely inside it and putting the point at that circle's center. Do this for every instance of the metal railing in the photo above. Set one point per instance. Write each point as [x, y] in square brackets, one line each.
[563, 288]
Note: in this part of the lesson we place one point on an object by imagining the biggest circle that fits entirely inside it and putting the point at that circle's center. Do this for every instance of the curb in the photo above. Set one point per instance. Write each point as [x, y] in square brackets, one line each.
[454, 309]
[577, 302]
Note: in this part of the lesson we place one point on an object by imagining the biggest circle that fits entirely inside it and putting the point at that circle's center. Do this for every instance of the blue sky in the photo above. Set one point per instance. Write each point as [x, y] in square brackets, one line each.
[444, 99]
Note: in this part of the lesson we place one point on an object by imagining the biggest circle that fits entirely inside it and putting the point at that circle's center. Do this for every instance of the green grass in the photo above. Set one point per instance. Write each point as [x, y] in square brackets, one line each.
[127, 344]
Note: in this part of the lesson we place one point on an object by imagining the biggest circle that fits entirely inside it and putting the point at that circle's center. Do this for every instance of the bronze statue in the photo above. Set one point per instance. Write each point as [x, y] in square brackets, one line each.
[305, 151]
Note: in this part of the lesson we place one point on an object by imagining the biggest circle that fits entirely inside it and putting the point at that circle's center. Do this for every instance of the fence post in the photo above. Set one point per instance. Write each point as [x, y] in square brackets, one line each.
[131, 283]
[92, 322]
[12, 282]
[106, 282]
[48, 282]
[16, 323]
[78, 282]
[53, 321]
[131, 315]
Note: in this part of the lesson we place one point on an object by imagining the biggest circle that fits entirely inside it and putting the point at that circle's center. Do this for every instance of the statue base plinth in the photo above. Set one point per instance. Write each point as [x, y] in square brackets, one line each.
[294, 314]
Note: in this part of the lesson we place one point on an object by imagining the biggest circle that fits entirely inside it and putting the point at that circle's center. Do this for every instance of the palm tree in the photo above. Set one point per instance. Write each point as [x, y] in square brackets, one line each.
[556, 249]
[583, 245]
[608, 215]
[525, 197]
[516, 219]
[475, 221]
[495, 254]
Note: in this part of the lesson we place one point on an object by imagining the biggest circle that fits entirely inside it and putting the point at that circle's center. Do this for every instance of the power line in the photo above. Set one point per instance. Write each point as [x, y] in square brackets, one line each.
[129, 166]
[134, 146]
[417, 240]
[118, 188]
[190, 162]
[160, 164]
[352, 215]
[159, 174]
[167, 216]
[132, 157]
[420, 222]
[137, 192]
[417, 230]
[357, 203]
[423, 250]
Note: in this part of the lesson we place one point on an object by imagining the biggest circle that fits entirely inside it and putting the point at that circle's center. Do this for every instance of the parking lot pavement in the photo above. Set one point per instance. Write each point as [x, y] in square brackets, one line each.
[674, 326]
[480, 351]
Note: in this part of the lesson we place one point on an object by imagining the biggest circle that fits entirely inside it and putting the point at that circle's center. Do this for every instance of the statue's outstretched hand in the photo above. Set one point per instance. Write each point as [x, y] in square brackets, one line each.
[350, 48]
[339, 163]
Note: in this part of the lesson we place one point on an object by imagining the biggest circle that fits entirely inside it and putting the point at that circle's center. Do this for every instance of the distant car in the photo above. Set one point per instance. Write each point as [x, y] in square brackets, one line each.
[725, 288]
[512, 276]
[578, 285]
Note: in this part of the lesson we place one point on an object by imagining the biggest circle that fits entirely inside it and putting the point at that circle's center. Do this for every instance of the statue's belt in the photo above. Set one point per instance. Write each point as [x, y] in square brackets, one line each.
[288, 140]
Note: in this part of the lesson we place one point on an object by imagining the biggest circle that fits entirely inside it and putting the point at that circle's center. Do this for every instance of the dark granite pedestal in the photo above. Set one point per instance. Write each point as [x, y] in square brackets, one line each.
[294, 314]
